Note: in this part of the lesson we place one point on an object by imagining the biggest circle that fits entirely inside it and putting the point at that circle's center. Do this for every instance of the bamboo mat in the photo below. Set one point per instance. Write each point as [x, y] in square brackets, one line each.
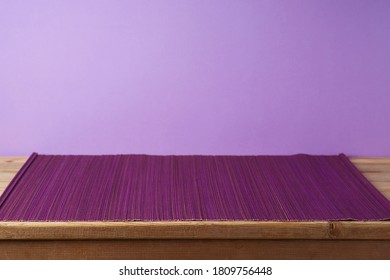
[169, 188]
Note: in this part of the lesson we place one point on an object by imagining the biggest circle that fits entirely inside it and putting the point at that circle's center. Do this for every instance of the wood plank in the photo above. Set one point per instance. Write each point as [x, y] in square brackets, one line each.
[360, 230]
[3, 186]
[15, 159]
[195, 249]
[9, 166]
[194, 230]
[383, 187]
[378, 160]
[386, 194]
[13, 168]
[6, 176]
[377, 177]
[164, 230]
[376, 168]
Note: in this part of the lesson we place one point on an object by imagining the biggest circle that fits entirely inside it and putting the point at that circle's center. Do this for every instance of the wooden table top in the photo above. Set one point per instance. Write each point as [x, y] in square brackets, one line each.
[376, 170]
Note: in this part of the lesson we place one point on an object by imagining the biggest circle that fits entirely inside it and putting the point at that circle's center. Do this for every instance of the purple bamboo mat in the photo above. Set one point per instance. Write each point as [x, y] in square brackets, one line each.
[165, 188]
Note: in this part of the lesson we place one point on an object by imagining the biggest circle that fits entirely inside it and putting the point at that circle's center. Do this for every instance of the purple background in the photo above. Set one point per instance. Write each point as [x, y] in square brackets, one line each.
[195, 77]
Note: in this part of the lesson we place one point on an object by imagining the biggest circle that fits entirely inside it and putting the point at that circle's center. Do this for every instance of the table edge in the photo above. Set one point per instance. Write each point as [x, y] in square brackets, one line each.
[378, 230]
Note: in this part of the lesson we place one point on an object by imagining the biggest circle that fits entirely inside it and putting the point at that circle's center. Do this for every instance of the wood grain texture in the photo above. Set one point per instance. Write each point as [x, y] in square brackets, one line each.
[164, 230]
[196, 249]
[194, 230]
[360, 230]
[377, 160]
[9, 166]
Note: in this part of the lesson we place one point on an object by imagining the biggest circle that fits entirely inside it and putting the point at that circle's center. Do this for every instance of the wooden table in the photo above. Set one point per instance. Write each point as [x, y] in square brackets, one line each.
[199, 240]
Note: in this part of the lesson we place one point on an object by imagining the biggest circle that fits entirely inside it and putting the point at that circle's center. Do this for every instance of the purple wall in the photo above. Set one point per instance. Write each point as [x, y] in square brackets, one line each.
[195, 77]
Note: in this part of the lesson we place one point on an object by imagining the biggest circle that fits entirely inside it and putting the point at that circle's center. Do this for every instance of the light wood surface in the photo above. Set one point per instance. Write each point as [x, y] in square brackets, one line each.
[164, 230]
[198, 249]
[199, 239]
[194, 230]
